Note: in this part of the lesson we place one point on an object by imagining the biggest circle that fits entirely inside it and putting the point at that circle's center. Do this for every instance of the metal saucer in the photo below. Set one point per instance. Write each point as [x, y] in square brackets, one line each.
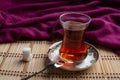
[92, 57]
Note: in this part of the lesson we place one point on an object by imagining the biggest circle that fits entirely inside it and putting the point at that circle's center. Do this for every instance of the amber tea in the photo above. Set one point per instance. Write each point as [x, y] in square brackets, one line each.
[73, 47]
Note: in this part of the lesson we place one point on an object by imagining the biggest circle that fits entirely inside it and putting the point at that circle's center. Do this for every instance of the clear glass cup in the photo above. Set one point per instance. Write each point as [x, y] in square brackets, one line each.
[73, 48]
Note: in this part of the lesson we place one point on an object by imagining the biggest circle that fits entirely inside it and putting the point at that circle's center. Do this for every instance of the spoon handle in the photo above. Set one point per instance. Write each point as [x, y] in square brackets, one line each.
[34, 74]
[50, 65]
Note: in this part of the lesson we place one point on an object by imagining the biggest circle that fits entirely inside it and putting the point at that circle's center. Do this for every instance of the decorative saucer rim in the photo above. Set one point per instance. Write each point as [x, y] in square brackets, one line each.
[77, 67]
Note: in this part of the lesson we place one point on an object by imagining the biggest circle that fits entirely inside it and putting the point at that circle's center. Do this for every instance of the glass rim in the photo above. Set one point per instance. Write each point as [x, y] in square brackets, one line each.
[66, 13]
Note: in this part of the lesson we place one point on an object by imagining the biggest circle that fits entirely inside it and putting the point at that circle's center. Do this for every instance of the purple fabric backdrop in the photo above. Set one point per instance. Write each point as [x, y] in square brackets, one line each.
[38, 20]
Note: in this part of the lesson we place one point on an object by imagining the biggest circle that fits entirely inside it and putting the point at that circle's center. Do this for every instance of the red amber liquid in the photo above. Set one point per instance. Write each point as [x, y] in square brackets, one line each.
[73, 47]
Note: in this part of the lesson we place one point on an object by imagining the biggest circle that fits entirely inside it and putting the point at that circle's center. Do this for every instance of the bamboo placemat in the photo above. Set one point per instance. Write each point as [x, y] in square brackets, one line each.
[12, 68]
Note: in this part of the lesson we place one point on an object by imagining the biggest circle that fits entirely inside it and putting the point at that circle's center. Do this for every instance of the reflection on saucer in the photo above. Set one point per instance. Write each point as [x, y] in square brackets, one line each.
[92, 57]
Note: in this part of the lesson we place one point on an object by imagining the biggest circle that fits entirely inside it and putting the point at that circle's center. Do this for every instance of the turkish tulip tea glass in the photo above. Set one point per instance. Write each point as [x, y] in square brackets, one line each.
[73, 48]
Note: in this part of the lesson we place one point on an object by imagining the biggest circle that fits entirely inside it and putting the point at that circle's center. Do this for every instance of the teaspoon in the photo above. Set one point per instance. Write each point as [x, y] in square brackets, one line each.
[50, 65]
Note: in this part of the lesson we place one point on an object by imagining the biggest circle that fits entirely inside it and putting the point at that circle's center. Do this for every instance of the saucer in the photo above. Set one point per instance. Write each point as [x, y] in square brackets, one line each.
[91, 58]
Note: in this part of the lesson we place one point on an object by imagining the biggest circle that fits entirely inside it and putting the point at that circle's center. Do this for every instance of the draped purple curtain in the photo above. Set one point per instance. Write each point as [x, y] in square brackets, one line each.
[38, 20]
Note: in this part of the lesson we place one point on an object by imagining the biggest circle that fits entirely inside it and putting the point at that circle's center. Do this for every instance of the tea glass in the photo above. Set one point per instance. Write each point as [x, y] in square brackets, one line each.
[73, 48]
